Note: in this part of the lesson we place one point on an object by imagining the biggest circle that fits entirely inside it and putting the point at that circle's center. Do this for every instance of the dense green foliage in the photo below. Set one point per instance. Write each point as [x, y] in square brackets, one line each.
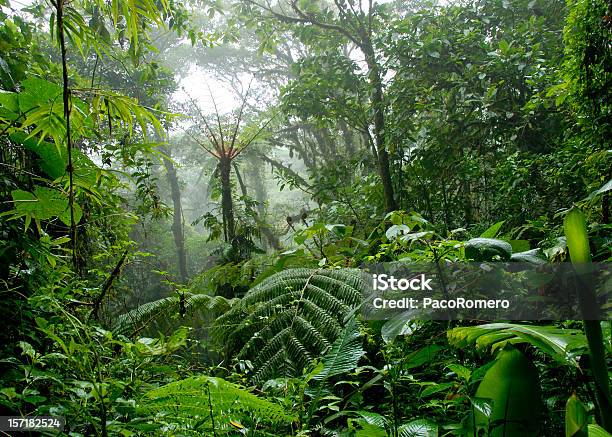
[170, 267]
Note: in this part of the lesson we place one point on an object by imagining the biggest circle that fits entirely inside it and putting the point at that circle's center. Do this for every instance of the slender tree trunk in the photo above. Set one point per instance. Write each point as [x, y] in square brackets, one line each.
[227, 204]
[378, 107]
[241, 184]
[59, 8]
[177, 222]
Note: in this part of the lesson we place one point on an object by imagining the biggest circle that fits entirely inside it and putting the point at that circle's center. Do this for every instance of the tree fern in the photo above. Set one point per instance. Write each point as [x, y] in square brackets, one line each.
[160, 315]
[290, 318]
[342, 357]
[201, 403]
[344, 354]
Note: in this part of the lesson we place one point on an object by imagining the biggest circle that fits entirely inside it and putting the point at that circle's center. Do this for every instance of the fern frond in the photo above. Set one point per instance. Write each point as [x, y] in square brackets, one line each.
[344, 353]
[290, 318]
[342, 357]
[160, 314]
[205, 399]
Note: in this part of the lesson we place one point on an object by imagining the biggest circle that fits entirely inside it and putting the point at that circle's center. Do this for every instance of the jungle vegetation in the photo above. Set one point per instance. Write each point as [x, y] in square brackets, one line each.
[188, 189]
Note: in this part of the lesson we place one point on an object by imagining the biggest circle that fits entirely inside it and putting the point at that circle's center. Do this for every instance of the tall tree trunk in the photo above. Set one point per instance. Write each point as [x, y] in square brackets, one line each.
[363, 39]
[177, 223]
[59, 9]
[227, 204]
[378, 107]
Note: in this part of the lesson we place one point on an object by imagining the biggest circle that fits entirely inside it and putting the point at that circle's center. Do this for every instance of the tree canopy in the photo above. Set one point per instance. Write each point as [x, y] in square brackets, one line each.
[192, 195]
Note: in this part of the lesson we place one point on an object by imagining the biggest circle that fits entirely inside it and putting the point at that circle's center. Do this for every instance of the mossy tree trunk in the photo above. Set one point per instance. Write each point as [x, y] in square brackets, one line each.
[177, 222]
[227, 203]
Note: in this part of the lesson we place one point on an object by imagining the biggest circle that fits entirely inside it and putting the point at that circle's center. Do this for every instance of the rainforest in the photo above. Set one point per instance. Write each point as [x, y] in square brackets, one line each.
[196, 197]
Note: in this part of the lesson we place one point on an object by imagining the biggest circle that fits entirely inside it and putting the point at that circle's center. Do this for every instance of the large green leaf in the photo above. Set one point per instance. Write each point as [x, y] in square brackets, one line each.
[421, 356]
[493, 230]
[576, 418]
[54, 161]
[597, 431]
[9, 105]
[43, 204]
[37, 90]
[418, 428]
[513, 386]
[576, 235]
[290, 318]
[564, 345]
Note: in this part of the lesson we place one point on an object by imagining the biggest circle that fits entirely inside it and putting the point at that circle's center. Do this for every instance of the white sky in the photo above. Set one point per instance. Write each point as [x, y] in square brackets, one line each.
[203, 88]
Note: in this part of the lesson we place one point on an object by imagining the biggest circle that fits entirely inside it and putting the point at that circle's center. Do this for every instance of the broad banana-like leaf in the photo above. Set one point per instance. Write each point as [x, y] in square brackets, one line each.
[576, 234]
[576, 418]
[564, 345]
[597, 431]
[513, 386]
[493, 230]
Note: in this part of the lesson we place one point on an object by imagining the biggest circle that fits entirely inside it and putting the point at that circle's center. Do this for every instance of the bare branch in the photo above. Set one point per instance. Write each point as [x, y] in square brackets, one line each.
[199, 143]
[216, 142]
[304, 18]
[218, 119]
